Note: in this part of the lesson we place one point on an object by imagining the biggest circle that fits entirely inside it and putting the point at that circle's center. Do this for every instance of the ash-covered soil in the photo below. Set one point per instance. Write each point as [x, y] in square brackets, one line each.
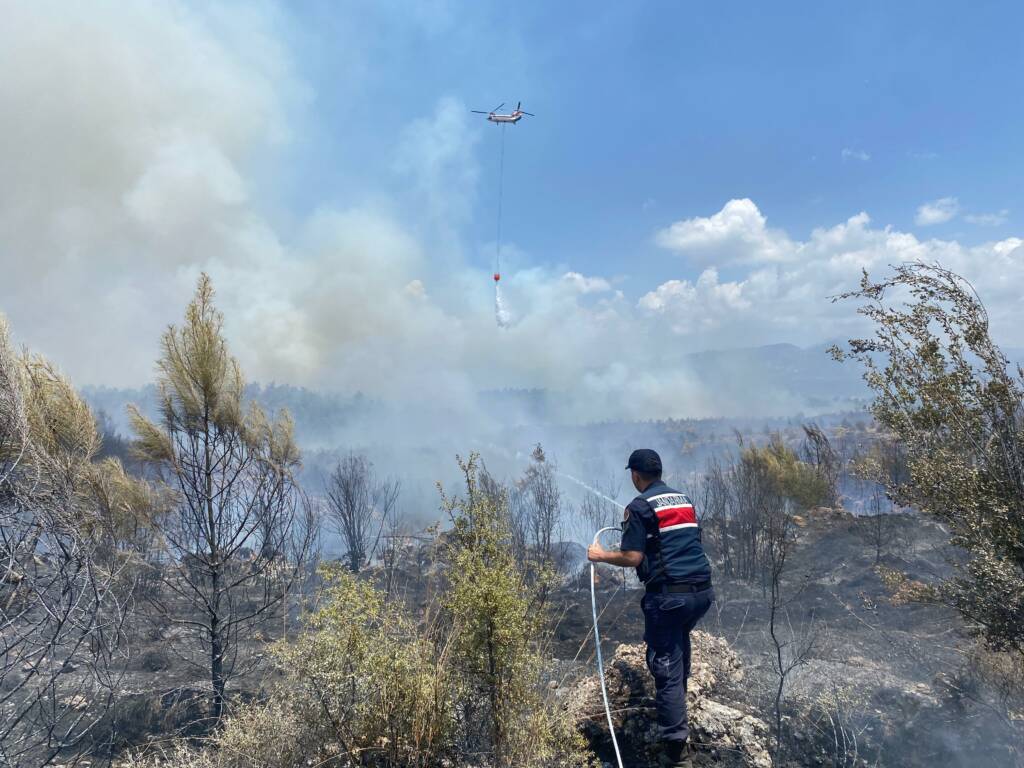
[894, 672]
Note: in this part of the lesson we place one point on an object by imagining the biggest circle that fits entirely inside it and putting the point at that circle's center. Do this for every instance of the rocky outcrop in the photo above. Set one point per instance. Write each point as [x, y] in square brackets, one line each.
[722, 734]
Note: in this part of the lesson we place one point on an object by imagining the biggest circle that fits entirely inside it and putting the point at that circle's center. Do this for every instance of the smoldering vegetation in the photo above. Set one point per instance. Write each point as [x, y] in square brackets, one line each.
[237, 575]
[416, 448]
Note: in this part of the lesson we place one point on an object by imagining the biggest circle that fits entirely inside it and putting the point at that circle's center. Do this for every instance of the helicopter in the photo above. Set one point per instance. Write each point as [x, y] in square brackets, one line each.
[513, 118]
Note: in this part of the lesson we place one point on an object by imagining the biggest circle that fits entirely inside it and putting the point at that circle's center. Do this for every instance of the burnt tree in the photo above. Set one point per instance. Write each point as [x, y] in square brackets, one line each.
[227, 471]
[359, 505]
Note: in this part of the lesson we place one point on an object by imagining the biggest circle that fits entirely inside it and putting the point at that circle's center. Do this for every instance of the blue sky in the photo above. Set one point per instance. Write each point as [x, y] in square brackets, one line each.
[698, 176]
[649, 112]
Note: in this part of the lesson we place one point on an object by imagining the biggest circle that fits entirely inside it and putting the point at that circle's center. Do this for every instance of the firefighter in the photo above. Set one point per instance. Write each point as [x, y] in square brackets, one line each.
[661, 539]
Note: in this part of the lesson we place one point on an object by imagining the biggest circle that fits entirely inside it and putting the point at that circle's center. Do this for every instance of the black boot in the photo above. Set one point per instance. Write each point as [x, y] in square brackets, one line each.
[675, 755]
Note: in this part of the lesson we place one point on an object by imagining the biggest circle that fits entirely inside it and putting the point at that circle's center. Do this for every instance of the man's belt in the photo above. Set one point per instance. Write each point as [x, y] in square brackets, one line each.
[675, 588]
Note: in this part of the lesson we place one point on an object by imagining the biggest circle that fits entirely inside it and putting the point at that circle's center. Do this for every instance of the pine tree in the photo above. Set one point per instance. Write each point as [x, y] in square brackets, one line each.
[229, 472]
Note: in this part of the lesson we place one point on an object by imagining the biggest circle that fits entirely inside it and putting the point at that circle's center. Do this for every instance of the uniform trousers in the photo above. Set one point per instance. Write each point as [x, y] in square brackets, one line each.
[668, 619]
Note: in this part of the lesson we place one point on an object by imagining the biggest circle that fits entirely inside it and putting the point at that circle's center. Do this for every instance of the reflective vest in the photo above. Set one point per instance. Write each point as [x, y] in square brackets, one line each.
[673, 552]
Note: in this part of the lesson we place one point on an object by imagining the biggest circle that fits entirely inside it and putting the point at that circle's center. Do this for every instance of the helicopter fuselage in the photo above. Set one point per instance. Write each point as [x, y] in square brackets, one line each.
[515, 117]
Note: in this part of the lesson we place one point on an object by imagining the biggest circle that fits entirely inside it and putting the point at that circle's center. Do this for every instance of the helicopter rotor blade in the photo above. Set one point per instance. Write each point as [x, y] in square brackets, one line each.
[530, 114]
[479, 112]
[498, 107]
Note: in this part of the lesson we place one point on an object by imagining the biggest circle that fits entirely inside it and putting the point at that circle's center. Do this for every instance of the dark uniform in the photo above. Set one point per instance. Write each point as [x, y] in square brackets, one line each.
[661, 523]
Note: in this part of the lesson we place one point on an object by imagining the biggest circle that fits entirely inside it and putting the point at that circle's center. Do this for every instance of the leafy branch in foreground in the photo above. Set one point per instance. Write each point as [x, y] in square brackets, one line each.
[947, 393]
[64, 594]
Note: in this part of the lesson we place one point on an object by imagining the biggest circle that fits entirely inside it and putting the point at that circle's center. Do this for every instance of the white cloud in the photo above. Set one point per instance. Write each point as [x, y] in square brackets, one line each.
[774, 300]
[737, 233]
[697, 307]
[1007, 248]
[988, 219]
[415, 289]
[855, 154]
[937, 211]
[585, 284]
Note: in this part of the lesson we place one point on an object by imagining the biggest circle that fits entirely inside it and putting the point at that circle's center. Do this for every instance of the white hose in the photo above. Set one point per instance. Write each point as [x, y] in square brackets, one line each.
[597, 643]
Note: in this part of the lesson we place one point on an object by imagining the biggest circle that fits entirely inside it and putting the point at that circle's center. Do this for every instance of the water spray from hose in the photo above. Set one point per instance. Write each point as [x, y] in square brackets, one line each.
[593, 608]
[592, 490]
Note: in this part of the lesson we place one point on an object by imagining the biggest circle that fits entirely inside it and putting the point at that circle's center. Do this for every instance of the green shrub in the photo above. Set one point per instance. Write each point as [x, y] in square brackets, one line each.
[498, 630]
[949, 398]
[363, 686]
[366, 685]
[369, 682]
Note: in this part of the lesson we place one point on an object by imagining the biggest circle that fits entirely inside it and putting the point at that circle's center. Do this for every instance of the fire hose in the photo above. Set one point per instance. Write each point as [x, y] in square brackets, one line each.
[597, 644]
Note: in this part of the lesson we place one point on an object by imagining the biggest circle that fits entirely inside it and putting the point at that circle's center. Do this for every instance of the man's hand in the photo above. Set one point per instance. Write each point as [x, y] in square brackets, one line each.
[598, 554]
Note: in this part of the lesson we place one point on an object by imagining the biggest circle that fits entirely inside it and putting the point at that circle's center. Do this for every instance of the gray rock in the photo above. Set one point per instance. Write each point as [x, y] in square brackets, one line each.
[715, 727]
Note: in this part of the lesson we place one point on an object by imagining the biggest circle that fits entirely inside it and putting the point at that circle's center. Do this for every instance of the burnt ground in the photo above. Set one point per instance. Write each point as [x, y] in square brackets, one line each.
[162, 684]
[896, 669]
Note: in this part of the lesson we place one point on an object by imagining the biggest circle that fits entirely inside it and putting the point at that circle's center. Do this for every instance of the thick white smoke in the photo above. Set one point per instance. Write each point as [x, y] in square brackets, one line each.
[145, 143]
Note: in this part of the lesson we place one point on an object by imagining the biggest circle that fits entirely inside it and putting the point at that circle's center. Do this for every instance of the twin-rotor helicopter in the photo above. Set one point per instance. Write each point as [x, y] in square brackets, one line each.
[495, 117]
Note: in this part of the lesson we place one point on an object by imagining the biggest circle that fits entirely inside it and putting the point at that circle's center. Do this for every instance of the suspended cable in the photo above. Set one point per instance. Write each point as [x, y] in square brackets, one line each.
[501, 193]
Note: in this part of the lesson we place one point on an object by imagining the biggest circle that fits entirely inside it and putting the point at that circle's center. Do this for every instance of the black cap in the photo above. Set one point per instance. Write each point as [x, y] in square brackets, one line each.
[645, 460]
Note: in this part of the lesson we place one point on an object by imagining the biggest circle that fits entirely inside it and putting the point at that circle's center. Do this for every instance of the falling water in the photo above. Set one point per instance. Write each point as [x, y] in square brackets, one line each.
[501, 315]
